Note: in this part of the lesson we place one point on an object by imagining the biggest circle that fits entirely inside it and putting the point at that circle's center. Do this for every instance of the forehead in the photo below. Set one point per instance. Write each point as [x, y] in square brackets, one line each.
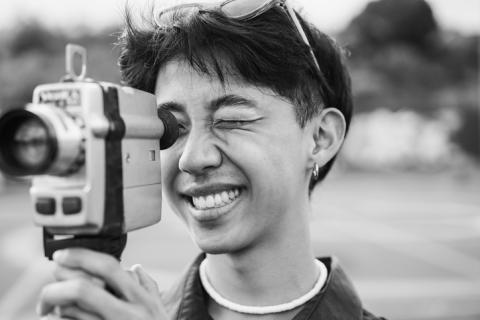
[178, 81]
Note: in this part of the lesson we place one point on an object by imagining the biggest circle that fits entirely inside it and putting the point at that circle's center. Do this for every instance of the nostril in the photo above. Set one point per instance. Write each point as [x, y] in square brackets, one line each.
[200, 154]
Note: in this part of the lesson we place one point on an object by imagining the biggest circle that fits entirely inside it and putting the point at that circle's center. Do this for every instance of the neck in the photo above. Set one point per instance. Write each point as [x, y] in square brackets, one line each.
[276, 271]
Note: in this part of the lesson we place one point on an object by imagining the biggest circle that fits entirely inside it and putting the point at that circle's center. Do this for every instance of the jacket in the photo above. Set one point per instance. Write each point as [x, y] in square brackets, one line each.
[187, 300]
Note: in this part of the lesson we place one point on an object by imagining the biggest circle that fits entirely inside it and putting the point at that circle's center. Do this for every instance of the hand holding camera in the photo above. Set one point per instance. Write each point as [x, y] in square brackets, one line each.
[80, 294]
[93, 152]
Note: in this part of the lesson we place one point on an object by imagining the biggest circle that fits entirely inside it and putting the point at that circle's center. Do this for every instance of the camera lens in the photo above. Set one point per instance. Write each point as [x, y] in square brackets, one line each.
[30, 143]
[27, 146]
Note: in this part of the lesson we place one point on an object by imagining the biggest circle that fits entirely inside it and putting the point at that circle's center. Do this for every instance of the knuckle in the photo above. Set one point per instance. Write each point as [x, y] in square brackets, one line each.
[44, 293]
[65, 311]
[67, 255]
[115, 275]
[110, 264]
[57, 272]
[156, 287]
[141, 314]
[152, 301]
[132, 275]
[80, 288]
[136, 312]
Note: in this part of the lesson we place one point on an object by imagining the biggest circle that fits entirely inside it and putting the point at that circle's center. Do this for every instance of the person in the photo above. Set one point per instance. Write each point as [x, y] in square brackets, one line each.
[263, 101]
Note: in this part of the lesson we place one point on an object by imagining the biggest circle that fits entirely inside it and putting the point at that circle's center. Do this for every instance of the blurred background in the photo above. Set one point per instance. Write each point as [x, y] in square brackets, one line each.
[401, 209]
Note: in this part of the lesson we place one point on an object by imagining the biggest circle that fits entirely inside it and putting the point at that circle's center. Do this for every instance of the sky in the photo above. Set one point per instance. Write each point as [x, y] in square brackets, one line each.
[74, 15]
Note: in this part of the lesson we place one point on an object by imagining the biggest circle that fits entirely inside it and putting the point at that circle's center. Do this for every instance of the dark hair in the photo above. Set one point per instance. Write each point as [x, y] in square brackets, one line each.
[265, 51]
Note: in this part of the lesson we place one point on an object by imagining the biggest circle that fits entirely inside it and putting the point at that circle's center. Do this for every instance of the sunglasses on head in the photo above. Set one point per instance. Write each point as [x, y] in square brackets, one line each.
[245, 10]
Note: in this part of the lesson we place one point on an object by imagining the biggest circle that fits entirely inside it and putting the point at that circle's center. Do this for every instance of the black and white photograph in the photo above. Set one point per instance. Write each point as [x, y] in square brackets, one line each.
[239, 160]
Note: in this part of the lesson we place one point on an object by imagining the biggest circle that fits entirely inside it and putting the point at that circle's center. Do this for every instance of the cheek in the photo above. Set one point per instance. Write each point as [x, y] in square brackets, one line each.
[277, 166]
[264, 160]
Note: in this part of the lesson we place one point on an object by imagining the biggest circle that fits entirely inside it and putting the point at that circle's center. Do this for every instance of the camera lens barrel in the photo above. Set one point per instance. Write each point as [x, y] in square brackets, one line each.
[28, 145]
[38, 140]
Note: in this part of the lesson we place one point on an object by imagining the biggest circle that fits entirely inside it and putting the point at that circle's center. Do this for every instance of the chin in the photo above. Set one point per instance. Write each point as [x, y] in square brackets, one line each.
[213, 247]
[215, 244]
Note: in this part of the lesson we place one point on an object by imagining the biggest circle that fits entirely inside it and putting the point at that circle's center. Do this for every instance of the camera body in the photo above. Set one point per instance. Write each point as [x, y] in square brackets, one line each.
[93, 152]
[116, 132]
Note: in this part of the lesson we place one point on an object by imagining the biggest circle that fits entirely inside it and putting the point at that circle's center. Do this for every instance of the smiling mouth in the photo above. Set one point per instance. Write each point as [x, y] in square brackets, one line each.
[215, 200]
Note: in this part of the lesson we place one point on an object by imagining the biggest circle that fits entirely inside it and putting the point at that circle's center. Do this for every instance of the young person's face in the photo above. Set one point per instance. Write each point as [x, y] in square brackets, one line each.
[237, 175]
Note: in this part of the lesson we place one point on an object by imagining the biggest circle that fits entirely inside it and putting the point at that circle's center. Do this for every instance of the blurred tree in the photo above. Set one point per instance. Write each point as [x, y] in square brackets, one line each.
[401, 59]
[384, 22]
[31, 36]
[468, 134]
[34, 55]
[459, 55]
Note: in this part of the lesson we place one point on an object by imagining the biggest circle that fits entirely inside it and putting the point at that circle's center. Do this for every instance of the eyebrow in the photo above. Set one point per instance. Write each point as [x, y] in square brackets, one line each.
[214, 105]
[231, 100]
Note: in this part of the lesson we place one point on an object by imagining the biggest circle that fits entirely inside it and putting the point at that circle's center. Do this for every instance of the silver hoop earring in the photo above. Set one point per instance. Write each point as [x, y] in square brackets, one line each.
[316, 171]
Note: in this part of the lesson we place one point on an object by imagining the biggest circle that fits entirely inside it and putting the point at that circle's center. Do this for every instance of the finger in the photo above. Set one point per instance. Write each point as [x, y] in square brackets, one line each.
[62, 273]
[145, 280]
[74, 312]
[102, 266]
[133, 275]
[79, 292]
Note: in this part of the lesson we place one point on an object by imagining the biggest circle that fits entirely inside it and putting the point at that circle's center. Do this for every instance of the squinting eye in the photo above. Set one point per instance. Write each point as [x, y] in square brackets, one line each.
[231, 124]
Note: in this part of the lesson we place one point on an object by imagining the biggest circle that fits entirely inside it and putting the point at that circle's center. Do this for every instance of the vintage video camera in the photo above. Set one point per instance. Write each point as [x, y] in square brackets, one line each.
[93, 151]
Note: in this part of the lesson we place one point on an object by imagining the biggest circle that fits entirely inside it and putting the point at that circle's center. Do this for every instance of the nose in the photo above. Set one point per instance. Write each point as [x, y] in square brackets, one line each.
[200, 153]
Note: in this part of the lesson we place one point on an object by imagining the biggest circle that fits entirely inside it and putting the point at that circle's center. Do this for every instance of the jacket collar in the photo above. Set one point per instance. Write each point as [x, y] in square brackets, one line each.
[187, 300]
[337, 299]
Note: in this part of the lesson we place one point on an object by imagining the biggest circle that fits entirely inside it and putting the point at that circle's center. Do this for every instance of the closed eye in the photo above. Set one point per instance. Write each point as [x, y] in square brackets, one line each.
[231, 123]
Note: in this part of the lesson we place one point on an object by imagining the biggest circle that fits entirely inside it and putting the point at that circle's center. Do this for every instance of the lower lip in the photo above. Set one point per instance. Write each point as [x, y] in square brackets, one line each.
[209, 215]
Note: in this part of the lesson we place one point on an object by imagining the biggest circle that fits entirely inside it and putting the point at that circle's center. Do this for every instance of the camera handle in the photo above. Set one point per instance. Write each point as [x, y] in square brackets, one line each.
[74, 52]
[106, 243]
[109, 244]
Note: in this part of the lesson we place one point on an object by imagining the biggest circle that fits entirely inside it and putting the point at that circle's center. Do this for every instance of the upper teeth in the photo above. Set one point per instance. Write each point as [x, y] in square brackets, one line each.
[215, 200]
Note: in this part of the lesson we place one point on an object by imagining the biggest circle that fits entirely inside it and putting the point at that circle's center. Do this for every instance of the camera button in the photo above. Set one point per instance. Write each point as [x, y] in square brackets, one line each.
[71, 205]
[45, 206]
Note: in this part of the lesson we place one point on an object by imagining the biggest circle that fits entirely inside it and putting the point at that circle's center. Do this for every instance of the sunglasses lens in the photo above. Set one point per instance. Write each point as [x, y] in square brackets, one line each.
[240, 9]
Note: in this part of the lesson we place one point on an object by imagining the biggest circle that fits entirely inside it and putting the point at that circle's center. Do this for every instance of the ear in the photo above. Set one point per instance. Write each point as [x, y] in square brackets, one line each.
[328, 133]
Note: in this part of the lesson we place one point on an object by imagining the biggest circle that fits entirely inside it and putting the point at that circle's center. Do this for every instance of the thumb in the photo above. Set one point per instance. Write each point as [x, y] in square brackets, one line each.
[144, 279]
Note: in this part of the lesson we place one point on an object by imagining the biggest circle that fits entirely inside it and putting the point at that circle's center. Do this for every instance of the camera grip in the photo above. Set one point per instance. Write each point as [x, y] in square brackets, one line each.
[113, 245]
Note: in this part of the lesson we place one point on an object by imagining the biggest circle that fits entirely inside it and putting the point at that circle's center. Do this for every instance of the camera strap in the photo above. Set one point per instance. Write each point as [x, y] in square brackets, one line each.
[112, 238]
[113, 210]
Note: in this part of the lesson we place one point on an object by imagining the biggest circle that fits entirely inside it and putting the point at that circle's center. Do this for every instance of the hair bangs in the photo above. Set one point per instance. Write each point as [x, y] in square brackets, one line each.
[225, 48]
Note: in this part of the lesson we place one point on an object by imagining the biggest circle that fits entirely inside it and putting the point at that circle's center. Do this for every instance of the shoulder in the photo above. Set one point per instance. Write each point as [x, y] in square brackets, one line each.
[185, 295]
[339, 299]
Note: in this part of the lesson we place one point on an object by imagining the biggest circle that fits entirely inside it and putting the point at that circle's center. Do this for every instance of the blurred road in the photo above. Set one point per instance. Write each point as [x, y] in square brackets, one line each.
[411, 244]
